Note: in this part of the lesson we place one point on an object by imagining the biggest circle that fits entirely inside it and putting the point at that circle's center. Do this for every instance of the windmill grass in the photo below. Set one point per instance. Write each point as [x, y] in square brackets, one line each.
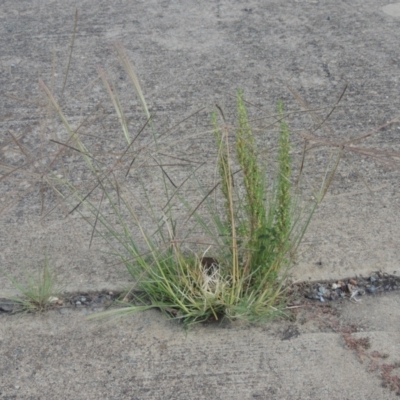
[241, 271]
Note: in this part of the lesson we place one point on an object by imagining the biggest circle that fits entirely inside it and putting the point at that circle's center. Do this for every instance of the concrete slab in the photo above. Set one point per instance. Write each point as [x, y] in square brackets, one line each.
[190, 54]
[62, 355]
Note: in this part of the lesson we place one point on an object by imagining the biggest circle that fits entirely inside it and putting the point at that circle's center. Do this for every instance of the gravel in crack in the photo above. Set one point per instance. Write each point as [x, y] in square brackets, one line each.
[322, 291]
[351, 288]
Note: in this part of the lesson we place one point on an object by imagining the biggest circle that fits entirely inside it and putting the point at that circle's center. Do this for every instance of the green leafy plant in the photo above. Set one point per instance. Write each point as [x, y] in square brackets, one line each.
[259, 221]
[251, 245]
[38, 294]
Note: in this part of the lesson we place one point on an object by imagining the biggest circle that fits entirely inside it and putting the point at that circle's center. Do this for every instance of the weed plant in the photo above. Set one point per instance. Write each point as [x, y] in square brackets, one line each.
[252, 244]
[39, 293]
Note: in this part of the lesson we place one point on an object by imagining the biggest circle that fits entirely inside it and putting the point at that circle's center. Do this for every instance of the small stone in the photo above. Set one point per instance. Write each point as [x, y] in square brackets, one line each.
[372, 279]
[334, 296]
[83, 299]
[312, 295]
[321, 299]
[323, 290]
[78, 303]
[371, 289]
[335, 286]
[6, 307]
[353, 282]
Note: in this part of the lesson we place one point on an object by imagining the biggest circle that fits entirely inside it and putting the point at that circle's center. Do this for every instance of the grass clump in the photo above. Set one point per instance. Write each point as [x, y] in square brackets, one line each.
[240, 272]
[38, 294]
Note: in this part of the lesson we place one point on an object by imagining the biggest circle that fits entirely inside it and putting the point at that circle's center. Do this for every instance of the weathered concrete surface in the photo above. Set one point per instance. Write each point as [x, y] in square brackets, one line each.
[145, 357]
[191, 54]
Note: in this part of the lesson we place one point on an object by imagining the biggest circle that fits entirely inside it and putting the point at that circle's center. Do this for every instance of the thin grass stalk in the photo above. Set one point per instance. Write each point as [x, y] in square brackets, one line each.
[283, 210]
[71, 131]
[225, 170]
[70, 52]
[116, 103]
[236, 286]
[222, 166]
[130, 70]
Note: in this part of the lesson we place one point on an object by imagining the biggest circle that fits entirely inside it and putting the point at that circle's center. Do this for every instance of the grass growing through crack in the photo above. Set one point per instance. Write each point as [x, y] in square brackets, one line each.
[240, 272]
[259, 223]
[39, 293]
